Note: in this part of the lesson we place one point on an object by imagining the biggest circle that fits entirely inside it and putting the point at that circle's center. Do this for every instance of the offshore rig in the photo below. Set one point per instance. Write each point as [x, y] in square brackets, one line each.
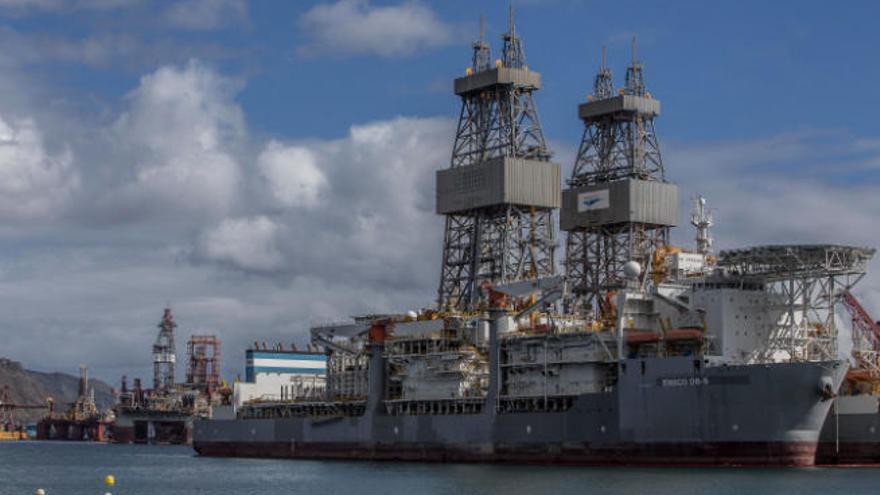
[83, 420]
[636, 352]
[165, 413]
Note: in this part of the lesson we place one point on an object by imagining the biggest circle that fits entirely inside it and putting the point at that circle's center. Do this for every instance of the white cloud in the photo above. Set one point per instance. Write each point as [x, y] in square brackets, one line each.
[207, 14]
[245, 243]
[292, 174]
[128, 50]
[64, 5]
[356, 27]
[97, 50]
[34, 184]
[375, 224]
[180, 132]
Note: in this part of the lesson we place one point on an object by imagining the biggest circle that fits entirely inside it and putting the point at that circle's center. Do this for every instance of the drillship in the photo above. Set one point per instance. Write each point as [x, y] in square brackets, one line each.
[641, 353]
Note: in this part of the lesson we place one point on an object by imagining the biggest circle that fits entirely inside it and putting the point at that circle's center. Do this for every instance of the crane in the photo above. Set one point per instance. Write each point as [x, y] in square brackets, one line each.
[8, 408]
[866, 339]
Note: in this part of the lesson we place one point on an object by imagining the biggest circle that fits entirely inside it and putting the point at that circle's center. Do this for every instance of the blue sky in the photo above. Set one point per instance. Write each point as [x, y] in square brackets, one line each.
[725, 70]
[264, 165]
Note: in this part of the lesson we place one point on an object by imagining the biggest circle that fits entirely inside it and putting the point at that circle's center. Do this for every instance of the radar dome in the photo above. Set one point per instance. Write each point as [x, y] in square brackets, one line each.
[632, 269]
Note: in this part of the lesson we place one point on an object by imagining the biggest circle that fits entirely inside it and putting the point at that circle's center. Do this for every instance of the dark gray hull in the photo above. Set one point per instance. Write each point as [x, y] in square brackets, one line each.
[671, 411]
[851, 434]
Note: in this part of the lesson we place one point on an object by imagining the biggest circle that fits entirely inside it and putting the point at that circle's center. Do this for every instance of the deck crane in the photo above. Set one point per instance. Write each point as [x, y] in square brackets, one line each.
[866, 340]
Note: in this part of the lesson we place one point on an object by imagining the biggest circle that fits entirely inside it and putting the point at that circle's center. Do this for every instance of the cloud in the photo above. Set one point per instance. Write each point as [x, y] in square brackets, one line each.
[95, 50]
[25, 6]
[34, 184]
[128, 50]
[292, 174]
[179, 134]
[246, 243]
[201, 15]
[374, 211]
[355, 27]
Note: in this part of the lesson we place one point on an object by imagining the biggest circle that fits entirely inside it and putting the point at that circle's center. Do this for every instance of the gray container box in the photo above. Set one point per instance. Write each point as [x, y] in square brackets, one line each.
[499, 181]
[623, 201]
[622, 103]
[479, 81]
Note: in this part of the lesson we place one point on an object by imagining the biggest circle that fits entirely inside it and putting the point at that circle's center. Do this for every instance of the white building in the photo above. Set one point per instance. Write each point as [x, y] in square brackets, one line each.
[277, 375]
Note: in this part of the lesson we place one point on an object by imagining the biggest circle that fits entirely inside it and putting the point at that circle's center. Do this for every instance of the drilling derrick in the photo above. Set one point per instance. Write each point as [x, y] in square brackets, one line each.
[499, 193]
[203, 362]
[164, 354]
[618, 206]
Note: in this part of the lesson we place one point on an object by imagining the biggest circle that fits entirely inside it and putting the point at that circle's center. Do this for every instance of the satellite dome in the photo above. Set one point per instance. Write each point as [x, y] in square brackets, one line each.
[632, 269]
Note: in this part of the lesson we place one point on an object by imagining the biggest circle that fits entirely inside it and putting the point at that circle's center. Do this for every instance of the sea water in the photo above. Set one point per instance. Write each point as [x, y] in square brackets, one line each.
[73, 468]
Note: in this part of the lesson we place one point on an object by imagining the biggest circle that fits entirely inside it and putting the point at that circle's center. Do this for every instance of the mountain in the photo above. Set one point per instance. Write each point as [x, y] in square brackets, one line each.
[34, 387]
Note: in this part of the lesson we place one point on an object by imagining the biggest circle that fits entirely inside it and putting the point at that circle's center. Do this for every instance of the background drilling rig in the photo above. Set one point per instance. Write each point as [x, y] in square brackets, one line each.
[164, 354]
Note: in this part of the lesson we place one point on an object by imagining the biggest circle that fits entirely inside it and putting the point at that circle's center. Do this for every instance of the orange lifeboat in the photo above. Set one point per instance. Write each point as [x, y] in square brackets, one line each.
[639, 338]
[683, 334]
[861, 375]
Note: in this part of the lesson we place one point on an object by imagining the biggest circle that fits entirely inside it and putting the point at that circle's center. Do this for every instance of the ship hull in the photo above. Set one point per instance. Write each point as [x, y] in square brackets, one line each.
[783, 454]
[851, 434]
[669, 411]
[153, 427]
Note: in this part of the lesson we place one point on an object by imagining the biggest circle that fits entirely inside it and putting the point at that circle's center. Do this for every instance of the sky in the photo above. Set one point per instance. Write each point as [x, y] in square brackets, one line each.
[264, 166]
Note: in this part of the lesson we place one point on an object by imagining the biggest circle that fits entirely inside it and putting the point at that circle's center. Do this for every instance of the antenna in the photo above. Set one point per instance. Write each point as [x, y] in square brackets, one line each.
[510, 25]
[635, 78]
[634, 49]
[701, 219]
[603, 85]
[481, 50]
[513, 55]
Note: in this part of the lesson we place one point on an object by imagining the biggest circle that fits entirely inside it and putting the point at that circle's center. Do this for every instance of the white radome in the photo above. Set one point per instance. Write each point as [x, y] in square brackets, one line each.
[632, 269]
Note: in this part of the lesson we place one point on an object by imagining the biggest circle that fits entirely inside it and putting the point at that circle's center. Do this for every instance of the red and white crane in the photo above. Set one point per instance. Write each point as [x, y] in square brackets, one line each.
[866, 339]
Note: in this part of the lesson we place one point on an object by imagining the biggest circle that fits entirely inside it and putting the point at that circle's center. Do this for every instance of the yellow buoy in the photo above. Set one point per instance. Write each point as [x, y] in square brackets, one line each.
[109, 480]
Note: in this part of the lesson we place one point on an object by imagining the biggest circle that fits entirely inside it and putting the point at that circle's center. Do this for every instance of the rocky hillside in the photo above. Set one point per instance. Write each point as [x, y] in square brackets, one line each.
[33, 387]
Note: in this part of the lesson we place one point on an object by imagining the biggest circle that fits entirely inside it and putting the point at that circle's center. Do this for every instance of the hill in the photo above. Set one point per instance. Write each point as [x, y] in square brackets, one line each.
[34, 387]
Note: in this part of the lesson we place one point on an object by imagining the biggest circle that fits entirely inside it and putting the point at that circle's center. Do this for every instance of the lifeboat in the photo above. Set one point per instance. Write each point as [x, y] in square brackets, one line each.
[683, 334]
[638, 338]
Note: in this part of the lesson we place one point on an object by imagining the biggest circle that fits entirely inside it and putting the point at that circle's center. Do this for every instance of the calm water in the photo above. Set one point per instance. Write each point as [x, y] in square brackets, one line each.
[76, 468]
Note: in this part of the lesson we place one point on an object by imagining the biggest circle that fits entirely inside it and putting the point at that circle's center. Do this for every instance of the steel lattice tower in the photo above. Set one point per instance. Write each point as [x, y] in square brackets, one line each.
[501, 189]
[618, 206]
[203, 362]
[164, 354]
